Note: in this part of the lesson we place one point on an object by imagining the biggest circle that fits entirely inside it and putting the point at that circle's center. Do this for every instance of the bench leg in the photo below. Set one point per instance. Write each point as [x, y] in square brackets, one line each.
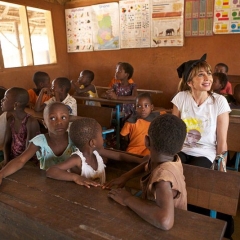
[213, 214]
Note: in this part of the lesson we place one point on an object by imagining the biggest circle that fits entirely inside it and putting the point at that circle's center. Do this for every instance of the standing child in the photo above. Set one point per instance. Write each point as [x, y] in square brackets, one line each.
[136, 127]
[60, 88]
[123, 90]
[41, 80]
[50, 148]
[21, 127]
[86, 164]
[86, 88]
[164, 182]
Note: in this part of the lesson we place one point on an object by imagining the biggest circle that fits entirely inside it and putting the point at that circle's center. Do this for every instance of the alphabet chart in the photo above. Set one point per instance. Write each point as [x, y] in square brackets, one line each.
[79, 29]
[167, 23]
[134, 23]
[226, 17]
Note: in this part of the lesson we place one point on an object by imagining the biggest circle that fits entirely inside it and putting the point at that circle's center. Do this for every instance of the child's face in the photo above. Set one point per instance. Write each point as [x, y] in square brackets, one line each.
[83, 79]
[143, 107]
[55, 87]
[216, 86]
[56, 119]
[120, 73]
[99, 138]
[45, 84]
[7, 103]
[220, 69]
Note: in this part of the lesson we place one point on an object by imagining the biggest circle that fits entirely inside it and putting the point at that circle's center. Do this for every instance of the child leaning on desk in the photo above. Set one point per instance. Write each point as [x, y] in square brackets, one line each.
[86, 164]
[60, 90]
[21, 127]
[85, 87]
[164, 182]
[136, 127]
[50, 148]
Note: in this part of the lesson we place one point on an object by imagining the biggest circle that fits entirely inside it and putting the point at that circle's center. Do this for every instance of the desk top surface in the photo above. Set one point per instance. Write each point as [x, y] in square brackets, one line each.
[80, 213]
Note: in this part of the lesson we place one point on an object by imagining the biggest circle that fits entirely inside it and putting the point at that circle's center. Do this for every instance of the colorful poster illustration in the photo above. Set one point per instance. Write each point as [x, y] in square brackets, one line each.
[79, 29]
[199, 18]
[134, 23]
[167, 23]
[226, 17]
[105, 26]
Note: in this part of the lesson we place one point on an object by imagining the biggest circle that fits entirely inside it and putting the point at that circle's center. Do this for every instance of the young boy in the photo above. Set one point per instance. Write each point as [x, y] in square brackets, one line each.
[85, 87]
[41, 80]
[136, 127]
[60, 89]
[164, 182]
[220, 81]
[223, 68]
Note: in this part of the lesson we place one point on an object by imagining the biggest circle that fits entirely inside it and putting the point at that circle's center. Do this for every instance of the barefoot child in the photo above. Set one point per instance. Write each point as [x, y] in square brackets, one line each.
[164, 182]
[50, 148]
[86, 164]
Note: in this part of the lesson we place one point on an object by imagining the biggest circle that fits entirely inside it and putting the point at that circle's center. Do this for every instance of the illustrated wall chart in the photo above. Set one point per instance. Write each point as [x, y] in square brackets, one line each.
[167, 23]
[226, 16]
[199, 17]
[79, 29]
[134, 23]
[105, 19]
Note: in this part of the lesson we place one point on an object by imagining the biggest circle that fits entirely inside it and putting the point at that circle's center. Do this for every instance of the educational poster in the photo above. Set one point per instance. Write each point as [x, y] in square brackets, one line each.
[199, 18]
[167, 23]
[105, 26]
[134, 23]
[226, 17]
[79, 29]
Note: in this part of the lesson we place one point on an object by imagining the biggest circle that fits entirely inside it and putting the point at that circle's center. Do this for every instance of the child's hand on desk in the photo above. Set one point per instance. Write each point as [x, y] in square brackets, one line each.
[119, 195]
[86, 182]
[111, 94]
[119, 182]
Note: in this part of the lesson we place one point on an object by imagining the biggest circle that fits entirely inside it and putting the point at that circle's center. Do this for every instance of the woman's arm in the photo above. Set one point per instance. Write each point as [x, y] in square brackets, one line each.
[160, 215]
[175, 111]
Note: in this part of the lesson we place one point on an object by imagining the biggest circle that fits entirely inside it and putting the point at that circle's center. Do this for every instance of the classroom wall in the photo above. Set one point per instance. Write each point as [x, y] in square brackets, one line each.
[22, 76]
[155, 68]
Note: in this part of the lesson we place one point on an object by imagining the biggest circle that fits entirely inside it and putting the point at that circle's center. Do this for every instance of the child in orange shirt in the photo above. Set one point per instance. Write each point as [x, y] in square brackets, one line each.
[136, 127]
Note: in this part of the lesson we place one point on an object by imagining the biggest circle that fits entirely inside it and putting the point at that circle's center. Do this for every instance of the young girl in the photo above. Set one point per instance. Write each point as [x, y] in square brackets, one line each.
[86, 164]
[85, 87]
[50, 148]
[21, 127]
[123, 90]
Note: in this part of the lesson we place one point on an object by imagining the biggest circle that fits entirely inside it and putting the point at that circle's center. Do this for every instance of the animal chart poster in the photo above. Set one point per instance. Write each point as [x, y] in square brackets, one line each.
[105, 19]
[134, 23]
[226, 17]
[79, 29]
[167, 23]
[199, 18]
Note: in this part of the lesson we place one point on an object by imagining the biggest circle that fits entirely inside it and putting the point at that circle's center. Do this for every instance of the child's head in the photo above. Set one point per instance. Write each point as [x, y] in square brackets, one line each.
[85, 77]
[62, 85]
[219, 81]
[236, 93]
[56, 118]
[41, 80]
[86, 132]
[166, 134]
[15, 98]
[124, 71]
[221, 67]
[144, 105]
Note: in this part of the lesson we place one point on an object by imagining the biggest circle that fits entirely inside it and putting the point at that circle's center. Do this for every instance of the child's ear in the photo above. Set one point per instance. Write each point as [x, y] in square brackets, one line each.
[92, 143]
[152, 107]
[147, 142]
[44, 124]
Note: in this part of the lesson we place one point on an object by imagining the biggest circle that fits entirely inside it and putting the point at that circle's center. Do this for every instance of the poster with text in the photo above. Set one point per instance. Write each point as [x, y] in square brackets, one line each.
[226, 17]
[167, 23]
[134, 23]
[79, 29]
[105, 19]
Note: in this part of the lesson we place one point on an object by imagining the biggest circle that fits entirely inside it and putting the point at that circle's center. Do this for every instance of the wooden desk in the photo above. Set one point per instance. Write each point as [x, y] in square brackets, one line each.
[35, 207]
[116, 103]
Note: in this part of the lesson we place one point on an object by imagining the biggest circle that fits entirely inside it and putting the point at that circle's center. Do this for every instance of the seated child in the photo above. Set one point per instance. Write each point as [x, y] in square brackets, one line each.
[60, 89]
[3, 120]
[123, 90]
[136, 127]
[235, 104]
[51, 148]
[164, 182]
[223, 68]
[85, 87]
[219, 82]
[86, 164]
[21, 127]
[41, 80]
[114, 80]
